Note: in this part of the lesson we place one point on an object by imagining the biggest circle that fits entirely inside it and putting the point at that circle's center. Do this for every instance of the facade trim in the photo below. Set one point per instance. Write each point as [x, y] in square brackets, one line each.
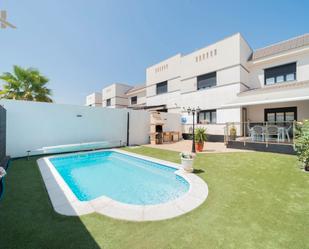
[214, 87]
[218, 70]
[163, 81]
[161, 94]
[114, 97]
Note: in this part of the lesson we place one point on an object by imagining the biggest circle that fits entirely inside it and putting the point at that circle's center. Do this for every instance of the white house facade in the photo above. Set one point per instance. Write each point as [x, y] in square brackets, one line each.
[94, 99]
[118, 95]
[232, 83]
[229, 81]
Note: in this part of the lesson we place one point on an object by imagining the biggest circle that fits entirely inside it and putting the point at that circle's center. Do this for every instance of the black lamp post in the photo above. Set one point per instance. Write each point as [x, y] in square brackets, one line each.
[194, 112]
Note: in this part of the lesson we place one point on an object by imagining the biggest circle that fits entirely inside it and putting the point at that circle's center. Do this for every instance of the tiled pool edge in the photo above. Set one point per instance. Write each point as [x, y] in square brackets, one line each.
[66, 203]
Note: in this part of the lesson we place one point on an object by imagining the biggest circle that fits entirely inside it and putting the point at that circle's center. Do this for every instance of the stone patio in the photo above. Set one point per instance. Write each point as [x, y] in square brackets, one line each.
[186, 145]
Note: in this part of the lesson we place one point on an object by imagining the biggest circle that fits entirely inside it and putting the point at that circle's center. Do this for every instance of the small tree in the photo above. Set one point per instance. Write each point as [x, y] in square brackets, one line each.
[302, 143]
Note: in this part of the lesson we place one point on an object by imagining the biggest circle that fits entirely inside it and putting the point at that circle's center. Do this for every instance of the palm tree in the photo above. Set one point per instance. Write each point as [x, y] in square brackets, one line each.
[25, 84]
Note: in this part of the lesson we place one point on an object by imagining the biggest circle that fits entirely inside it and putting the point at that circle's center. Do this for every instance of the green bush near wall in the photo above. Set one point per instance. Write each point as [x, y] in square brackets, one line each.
[302, 143]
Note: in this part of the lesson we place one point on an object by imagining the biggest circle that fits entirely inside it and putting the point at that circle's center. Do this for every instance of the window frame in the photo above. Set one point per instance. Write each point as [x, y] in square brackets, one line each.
[205, 77]
[210, 115]
[269, 74]
[131, 100]
[283, 110]
[161, 84]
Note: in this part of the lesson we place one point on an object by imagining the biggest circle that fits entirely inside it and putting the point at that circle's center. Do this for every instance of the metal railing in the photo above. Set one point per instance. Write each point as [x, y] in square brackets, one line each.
[217, 128]
[280, 132]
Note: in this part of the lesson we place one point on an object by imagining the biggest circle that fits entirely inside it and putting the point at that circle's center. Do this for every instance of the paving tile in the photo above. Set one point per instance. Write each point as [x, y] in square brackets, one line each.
[161, 212]
[100, 202]
[82, 208]
[66, 209]
[122, 212]
[198, 190]
[188, 203]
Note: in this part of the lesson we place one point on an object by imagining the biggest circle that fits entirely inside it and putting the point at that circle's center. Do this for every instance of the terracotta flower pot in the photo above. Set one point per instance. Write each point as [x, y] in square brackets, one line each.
[199, 146]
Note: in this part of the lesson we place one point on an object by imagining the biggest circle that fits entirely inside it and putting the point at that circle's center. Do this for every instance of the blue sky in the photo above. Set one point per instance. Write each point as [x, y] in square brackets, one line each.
[84, 45]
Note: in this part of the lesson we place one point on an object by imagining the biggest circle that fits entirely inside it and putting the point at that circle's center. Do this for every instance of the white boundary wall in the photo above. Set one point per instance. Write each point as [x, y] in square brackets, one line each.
[33, 125]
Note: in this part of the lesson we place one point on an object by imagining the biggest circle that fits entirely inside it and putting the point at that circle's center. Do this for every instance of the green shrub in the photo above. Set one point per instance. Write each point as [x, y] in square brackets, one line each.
[302, 143]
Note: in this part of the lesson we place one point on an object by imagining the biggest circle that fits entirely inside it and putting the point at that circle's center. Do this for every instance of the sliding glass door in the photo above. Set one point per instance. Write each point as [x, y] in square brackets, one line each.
[280, 115]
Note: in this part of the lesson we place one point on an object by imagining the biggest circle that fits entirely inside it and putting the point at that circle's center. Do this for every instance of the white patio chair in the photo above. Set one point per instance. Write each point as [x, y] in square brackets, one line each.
[272, 130]
[257, 132]
[287, 132]
[250, 130]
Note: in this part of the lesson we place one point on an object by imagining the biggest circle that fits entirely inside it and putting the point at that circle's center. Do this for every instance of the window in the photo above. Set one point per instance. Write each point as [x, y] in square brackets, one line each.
[280, 114]
[162, 87]
[206, 80]
[207, 117]
[108, 102]
[134, 100]
[280, 74]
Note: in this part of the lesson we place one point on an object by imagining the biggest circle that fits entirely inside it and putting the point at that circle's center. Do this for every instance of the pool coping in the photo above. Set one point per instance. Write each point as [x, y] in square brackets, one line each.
[65, 202]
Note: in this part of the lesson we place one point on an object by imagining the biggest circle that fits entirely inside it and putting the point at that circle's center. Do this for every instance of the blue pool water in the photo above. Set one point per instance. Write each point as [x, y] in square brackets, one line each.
[121, 177]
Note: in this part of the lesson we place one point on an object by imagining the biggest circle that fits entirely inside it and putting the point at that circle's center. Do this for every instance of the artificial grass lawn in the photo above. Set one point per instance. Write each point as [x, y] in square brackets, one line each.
[256, 200]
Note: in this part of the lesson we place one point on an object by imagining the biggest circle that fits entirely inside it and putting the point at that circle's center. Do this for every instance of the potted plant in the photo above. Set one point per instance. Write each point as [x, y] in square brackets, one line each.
[187, 161]
[302, 144]
[200, 138]
[233, 132]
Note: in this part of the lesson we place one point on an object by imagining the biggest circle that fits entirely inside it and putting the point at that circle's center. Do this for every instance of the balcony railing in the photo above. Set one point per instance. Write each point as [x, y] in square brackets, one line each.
[282, 132]
[215, 129]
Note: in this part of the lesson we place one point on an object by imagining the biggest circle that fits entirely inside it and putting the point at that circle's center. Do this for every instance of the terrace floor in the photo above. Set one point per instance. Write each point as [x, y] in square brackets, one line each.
[186, 145]
[256, 200]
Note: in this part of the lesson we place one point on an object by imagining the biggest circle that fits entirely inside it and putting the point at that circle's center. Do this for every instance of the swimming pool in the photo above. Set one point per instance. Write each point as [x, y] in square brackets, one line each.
[120, 185]
[121, 177]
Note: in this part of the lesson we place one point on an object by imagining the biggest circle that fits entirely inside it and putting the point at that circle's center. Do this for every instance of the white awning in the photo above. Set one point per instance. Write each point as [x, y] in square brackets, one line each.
[268, 96]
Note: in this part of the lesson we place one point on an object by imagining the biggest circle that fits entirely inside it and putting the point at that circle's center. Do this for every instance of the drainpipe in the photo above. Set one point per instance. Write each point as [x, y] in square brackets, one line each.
[128, 129]
[193, 135]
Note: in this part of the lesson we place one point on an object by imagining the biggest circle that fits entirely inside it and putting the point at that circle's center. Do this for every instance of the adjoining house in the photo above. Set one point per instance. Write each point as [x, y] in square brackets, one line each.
[118, 95]
[231, 83]
[94, 99]
[137, 97]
